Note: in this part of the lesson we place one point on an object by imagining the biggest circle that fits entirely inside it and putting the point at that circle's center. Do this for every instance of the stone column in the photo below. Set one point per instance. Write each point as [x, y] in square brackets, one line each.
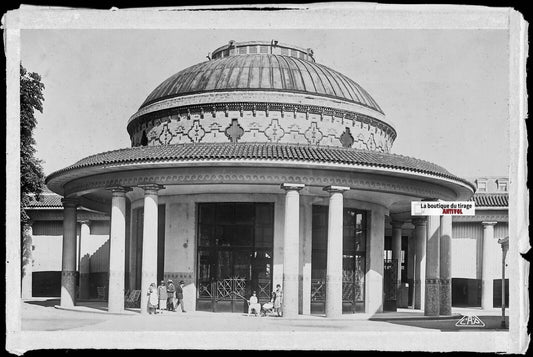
[117, 249]
[445, 288]
[487, 262]
[411, 254]
[291, 235]
[68, 266]
[432, 296]
[334, 251]
[397, 249]
[419, 289]
[374, 264]
[149, 249]
[306, 230]
[85, 232]
[27, 261]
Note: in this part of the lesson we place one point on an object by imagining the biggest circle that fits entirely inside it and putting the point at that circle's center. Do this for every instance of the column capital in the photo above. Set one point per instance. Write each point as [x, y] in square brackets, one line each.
[292, 186]
[336, 189]
[85, 221]
[488, 224]
[151, 188]
[419, 221]
[397, 224]
[71, 202]
[118, 191]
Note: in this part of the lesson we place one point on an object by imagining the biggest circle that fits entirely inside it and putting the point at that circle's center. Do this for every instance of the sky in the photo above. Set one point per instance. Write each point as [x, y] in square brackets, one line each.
[445, 91]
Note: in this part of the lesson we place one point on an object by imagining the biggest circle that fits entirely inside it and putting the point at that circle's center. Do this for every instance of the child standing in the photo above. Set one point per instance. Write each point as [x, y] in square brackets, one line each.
[277, 297]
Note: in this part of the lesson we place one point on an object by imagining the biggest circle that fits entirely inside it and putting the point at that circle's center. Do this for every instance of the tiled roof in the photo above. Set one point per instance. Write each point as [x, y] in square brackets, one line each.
[46, 200]
[261, 151]
[265, 72]
[491, 199]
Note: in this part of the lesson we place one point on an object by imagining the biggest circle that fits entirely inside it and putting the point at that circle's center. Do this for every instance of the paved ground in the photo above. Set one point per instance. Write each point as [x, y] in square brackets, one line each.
[42, 315]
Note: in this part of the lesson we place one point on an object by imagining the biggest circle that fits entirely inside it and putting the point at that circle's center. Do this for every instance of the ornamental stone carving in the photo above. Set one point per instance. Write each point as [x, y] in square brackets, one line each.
[274, 132]
[313, 134]
[315, 127]
[196, 133]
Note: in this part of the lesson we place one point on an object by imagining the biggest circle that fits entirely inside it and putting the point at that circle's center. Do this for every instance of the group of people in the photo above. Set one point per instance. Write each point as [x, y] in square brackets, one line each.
[165, 295]
[171, 297]
[275, 303]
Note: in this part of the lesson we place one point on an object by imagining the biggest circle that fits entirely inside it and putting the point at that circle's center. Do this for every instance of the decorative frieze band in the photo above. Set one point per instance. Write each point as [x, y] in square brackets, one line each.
[205, 175]
[433, 281]
[69, 274]
[319, 126]
[177, 276]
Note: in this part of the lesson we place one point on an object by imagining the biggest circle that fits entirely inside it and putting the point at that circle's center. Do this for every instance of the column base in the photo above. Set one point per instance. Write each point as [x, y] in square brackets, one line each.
[68, 288]
[487, 295]
[432, 298]
[333, 297]
[417, 287]
[116, 291]
[290, 295]
[445, 292]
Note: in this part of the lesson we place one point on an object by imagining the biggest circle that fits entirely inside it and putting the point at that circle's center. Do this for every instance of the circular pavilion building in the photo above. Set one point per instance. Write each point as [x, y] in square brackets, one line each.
[255, 168]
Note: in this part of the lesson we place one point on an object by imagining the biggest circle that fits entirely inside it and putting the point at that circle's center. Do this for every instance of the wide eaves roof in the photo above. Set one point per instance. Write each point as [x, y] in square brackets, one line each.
[260, 151]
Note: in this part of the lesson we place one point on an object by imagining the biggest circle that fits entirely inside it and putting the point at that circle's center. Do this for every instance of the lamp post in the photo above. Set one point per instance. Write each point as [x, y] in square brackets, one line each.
[505, 247]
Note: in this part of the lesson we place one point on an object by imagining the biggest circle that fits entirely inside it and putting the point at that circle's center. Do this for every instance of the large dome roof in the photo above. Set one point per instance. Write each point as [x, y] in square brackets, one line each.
[274, 72]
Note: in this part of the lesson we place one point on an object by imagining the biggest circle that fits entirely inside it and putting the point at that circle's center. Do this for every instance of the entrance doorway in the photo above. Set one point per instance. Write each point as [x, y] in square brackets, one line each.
[234, 254]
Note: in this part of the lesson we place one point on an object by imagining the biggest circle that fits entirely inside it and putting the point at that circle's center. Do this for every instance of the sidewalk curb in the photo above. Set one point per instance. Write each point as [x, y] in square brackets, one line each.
[416, 318]
[96, 311]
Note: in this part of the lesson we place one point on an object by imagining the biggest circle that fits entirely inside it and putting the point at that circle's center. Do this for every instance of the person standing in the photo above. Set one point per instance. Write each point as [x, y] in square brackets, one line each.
[171, 289]
[162, 293]
[153, 299]
[179, 295]
[277, 297]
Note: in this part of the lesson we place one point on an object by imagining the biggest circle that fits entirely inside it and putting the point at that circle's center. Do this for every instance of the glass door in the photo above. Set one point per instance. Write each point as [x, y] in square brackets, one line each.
[234, 254]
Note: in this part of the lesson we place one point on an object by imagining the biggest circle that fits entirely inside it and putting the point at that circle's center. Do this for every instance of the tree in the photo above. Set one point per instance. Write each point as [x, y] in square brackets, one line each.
[31, 171]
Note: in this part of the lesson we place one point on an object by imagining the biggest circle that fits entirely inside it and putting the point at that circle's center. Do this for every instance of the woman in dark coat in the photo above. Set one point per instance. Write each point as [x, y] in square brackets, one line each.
[179, 296]
[170, 295]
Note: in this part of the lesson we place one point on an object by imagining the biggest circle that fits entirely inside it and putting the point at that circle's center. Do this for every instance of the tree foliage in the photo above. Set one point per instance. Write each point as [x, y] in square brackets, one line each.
[31, 171]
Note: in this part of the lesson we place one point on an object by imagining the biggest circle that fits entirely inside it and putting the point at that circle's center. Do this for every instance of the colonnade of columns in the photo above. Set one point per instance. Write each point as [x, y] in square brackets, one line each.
[431, 252]
[334, 269]
[117, 249]
[291, 250]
